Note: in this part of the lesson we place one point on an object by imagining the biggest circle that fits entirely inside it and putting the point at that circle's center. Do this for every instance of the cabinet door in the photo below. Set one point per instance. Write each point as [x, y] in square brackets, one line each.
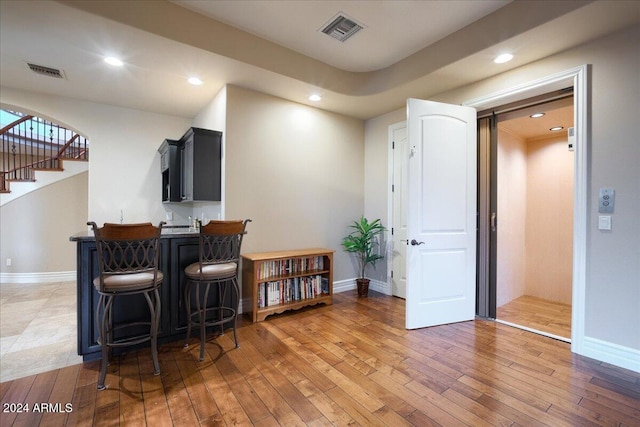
[187, 170]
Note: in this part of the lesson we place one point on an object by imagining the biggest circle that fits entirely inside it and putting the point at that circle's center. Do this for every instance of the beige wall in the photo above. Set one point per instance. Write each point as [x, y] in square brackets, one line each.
[35, 228]
[549, 219]
[511, 271]
[612, 290]
[296, 171]
[124, 164]
[535, 218]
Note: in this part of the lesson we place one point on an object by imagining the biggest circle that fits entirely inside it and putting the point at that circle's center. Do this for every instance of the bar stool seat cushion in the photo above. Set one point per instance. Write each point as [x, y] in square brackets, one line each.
[128, 282]
[211, 271]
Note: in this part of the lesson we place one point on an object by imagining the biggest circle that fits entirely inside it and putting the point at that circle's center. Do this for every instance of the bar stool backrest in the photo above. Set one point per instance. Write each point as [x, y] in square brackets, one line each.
[127, 249]
[220, 241]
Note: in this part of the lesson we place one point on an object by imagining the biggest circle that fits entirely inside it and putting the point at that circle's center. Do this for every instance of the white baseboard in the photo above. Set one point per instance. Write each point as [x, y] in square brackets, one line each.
[612, 354]
[350, 284]
[55, 276]
[339, 286]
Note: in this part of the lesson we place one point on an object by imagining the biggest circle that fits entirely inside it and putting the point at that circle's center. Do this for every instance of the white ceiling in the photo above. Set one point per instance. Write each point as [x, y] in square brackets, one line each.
[392, 30]
[407, 49]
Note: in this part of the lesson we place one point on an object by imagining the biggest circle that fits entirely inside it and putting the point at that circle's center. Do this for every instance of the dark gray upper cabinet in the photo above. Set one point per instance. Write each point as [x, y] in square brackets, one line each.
[201, 154]
[170, 169]
[191, 166]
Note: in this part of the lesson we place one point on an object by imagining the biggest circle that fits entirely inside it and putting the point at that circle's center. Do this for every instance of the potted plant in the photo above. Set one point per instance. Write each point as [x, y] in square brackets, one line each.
[361, 242]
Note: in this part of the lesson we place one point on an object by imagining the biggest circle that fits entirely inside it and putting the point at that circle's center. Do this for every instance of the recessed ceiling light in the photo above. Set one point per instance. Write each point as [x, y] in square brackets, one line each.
[556, 128]
[112, 60]
[315, 97]
[536, 115]
[195, 81]
[501, 59]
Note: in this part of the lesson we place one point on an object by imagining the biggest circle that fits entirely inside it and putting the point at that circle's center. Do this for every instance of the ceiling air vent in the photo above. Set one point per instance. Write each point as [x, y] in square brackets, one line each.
[46, 71]
[341, 28]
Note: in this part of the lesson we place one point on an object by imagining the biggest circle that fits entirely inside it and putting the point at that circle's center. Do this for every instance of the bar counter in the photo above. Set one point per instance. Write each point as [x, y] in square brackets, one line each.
[178, 249]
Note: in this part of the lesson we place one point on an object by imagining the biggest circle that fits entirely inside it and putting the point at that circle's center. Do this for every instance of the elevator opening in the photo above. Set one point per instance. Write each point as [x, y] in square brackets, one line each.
[535, 173]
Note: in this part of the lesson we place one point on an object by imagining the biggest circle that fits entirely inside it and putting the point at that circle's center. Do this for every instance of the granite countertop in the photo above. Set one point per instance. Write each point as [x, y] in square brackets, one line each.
[168, 232]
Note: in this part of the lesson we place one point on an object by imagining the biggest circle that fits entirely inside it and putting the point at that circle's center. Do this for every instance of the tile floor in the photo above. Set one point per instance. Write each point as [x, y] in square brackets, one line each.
[37, 328]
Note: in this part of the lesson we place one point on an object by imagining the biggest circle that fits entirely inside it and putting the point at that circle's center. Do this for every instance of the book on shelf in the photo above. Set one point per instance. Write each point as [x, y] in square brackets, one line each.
[293, 289]
[284, 267]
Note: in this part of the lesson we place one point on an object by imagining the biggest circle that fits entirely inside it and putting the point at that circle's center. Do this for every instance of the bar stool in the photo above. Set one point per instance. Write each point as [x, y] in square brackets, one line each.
[220, 243]
[128, 257]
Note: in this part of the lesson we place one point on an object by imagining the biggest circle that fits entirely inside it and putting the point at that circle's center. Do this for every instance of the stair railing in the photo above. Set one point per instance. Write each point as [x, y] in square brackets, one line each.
[32, 143]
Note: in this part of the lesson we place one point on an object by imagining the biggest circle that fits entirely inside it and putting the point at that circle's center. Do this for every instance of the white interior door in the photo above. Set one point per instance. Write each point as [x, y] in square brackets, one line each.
[399, 214]
[441, 225]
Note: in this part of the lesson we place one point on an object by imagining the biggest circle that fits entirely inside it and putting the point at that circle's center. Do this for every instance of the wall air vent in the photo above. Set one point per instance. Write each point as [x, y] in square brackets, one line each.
[341, 28]
[46, 71]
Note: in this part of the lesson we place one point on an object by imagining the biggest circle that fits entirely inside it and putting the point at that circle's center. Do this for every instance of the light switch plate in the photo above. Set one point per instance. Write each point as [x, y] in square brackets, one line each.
[604, 222]
[606, 200]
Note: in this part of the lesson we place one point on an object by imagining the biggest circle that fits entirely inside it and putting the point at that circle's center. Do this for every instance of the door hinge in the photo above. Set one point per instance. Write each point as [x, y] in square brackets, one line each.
[392, 231]
[393, 145]
[393, 188]
[392, 274]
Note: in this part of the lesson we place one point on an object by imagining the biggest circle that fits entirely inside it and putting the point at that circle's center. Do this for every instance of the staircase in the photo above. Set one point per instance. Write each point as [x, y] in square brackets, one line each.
[31, 144]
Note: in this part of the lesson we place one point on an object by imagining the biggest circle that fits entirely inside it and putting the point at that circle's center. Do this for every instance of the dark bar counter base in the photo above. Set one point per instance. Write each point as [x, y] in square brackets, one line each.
[178, 250]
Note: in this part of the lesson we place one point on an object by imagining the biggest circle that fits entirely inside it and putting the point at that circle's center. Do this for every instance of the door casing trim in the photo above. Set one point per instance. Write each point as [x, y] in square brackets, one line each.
[578, 78]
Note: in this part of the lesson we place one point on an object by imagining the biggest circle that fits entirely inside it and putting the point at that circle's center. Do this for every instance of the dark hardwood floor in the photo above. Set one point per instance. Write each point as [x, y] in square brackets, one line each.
[352, 363]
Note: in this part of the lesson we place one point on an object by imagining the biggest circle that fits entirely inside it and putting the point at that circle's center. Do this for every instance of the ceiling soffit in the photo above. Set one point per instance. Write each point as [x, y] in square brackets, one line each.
[183, 25]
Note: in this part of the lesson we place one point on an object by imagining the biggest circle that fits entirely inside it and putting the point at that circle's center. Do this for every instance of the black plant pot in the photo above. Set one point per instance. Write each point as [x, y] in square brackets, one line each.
[363, 287]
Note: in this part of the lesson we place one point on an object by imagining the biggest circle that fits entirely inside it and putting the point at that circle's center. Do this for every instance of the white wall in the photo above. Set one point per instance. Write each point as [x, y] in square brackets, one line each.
[613, 276]
[35, 230]
[124, 164]
[296, 171]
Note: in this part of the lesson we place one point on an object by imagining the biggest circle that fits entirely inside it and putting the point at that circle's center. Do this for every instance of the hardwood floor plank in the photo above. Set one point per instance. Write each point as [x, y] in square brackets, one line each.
[14, 399]
[231, 410]
[498, 407]
[84, 409]
[199, 395]
[156, 408]
[390, 400]
[517, 400]
[251, 403]
[350, 363]
[108, 415]
[421, 404]
[360, 395]
[39, 395]
[486, 414]
[537, 313]
[330, 409]
[354, 408]
[462, 414]
[130, 387]
[62, 394]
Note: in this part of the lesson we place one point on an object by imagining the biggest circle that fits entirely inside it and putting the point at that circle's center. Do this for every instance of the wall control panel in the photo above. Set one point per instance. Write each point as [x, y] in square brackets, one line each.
[606, 200]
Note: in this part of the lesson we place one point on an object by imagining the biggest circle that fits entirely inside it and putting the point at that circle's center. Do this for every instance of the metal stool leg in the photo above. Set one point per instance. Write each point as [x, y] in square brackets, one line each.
[236, 309]
[203, 319]
[187, 306]
[154, 311]
[105, 305]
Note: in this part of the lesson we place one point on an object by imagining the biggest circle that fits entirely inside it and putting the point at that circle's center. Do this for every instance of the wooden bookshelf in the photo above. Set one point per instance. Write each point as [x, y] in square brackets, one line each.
[286, 280]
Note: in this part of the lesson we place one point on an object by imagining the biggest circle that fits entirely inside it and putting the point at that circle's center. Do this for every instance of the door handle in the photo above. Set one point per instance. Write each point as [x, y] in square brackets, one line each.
[493, 221]
[414, 242]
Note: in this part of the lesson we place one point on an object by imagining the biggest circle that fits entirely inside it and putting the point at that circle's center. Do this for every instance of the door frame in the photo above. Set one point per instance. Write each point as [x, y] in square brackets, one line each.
[390, 168]
[578, 78]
